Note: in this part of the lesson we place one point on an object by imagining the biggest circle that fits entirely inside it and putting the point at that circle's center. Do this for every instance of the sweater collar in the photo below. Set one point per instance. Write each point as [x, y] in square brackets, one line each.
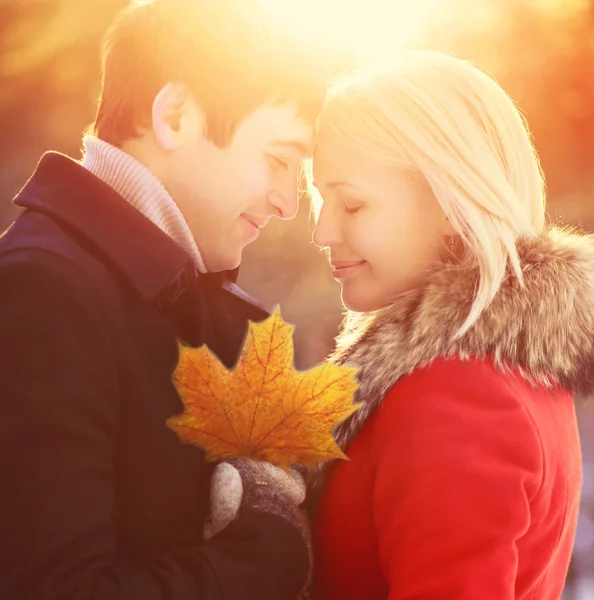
[141, 189]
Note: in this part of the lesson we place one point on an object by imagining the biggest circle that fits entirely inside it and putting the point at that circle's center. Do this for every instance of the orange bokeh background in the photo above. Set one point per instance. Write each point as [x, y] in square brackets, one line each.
[541, 51]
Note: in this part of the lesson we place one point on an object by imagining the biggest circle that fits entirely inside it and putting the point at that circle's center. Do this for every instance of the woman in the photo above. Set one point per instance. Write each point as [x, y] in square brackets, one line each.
[472, 324]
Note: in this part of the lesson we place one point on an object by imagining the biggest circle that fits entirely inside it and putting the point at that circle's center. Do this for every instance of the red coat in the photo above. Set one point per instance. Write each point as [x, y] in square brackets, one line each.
[464, 475]
[464, 485]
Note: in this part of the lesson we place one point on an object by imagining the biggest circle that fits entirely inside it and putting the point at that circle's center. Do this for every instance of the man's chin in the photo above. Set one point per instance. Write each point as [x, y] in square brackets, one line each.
[222, 263]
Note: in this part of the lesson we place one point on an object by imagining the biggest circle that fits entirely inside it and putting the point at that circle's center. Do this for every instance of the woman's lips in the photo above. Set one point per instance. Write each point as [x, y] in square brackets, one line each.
[342, 269]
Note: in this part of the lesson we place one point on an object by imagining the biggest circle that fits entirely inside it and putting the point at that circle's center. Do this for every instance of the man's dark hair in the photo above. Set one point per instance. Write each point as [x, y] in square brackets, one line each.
[224, 51]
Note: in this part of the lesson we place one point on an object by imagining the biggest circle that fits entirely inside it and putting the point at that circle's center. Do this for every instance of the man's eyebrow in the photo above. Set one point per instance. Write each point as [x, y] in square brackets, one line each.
[301, 147]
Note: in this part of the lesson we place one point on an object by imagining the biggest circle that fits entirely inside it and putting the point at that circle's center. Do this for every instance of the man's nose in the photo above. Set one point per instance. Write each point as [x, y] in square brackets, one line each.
[284, 205]
[284, 199]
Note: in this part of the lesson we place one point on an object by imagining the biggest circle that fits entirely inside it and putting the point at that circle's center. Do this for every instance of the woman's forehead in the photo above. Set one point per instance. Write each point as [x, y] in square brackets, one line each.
[336, 163]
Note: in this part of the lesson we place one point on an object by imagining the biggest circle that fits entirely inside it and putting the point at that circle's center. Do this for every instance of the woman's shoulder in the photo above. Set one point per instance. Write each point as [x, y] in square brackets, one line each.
[451, 414]
[457, 375]
[462, 395]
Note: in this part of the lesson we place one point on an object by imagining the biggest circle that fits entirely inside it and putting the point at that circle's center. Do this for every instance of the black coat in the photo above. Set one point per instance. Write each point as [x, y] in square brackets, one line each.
[98, 498]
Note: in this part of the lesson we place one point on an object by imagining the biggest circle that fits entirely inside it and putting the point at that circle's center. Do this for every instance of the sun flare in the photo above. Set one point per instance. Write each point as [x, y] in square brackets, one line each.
[369, 29]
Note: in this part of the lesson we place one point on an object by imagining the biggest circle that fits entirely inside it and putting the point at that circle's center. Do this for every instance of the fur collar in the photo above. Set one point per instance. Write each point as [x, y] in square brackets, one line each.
[545, 329]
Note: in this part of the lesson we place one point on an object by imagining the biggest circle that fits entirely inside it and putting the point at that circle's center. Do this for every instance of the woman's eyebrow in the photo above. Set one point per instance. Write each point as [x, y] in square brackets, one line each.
[335, 184]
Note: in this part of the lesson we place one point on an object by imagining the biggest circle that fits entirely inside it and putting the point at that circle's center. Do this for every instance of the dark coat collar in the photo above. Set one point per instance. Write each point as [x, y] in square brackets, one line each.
[70, 194]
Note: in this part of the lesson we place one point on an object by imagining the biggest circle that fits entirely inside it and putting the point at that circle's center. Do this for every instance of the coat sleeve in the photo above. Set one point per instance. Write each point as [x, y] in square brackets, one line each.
[458, 464]
[58, 430]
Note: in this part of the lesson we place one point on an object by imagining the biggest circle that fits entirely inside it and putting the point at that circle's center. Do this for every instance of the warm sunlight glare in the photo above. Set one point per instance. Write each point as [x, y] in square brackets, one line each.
[369, 29]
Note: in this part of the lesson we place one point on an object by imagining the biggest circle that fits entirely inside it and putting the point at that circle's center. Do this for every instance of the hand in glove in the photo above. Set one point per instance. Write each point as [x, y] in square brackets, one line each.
[241, 484]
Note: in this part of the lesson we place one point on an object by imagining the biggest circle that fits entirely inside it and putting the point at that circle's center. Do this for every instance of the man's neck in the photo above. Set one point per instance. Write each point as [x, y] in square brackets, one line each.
[142, 189]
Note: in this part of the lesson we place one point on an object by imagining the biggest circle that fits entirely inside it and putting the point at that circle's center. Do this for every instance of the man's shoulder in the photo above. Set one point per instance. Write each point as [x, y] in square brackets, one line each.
[37, 246]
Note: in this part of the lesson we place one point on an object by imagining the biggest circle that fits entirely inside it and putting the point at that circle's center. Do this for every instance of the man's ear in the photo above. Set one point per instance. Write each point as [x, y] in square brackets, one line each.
[174, 112]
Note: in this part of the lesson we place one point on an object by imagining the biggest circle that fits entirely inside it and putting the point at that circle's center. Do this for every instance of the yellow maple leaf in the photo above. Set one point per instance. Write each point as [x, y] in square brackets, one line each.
[263, 409]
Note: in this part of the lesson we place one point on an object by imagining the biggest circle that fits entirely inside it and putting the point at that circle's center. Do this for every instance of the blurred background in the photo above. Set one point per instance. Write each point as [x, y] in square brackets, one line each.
[541, 51]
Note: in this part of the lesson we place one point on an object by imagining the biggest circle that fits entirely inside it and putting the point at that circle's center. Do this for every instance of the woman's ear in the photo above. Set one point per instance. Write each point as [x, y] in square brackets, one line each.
[174, 110]
[449, 230]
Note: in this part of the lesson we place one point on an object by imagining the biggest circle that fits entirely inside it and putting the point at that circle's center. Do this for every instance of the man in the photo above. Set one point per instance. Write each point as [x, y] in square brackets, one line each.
[203, 121]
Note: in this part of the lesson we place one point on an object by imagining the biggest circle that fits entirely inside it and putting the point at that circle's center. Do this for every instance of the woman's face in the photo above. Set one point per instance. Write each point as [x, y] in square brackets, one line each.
[382, 226]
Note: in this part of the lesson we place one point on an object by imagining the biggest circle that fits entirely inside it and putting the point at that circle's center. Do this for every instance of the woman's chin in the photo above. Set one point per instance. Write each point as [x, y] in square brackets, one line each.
[357, 302]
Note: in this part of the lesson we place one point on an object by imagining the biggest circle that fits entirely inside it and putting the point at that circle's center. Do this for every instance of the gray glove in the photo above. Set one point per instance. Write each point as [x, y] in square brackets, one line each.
[241, 484]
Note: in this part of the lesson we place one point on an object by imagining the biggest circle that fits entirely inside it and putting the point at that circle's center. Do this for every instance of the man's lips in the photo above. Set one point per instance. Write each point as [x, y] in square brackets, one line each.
[256, 221]
[252, 225]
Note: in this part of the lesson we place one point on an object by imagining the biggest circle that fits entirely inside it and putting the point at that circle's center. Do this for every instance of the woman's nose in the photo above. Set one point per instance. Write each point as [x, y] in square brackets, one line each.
[327, 229]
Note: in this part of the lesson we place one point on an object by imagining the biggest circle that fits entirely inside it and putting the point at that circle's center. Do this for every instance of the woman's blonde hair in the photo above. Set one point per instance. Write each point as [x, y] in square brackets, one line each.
[438, 115]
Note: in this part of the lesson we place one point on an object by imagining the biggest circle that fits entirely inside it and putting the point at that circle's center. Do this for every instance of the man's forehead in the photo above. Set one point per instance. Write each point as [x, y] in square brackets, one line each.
[302, 145]
[283, 126]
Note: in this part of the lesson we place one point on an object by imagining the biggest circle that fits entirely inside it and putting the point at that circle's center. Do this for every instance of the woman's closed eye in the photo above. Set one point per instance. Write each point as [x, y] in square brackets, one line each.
[352, 208]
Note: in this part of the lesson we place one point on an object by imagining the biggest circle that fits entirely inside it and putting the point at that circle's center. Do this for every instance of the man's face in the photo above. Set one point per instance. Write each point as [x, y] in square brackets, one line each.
[228, 194]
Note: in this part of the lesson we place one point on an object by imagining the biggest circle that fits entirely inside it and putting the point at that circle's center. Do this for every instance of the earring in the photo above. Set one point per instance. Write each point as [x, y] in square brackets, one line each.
[450, 248]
